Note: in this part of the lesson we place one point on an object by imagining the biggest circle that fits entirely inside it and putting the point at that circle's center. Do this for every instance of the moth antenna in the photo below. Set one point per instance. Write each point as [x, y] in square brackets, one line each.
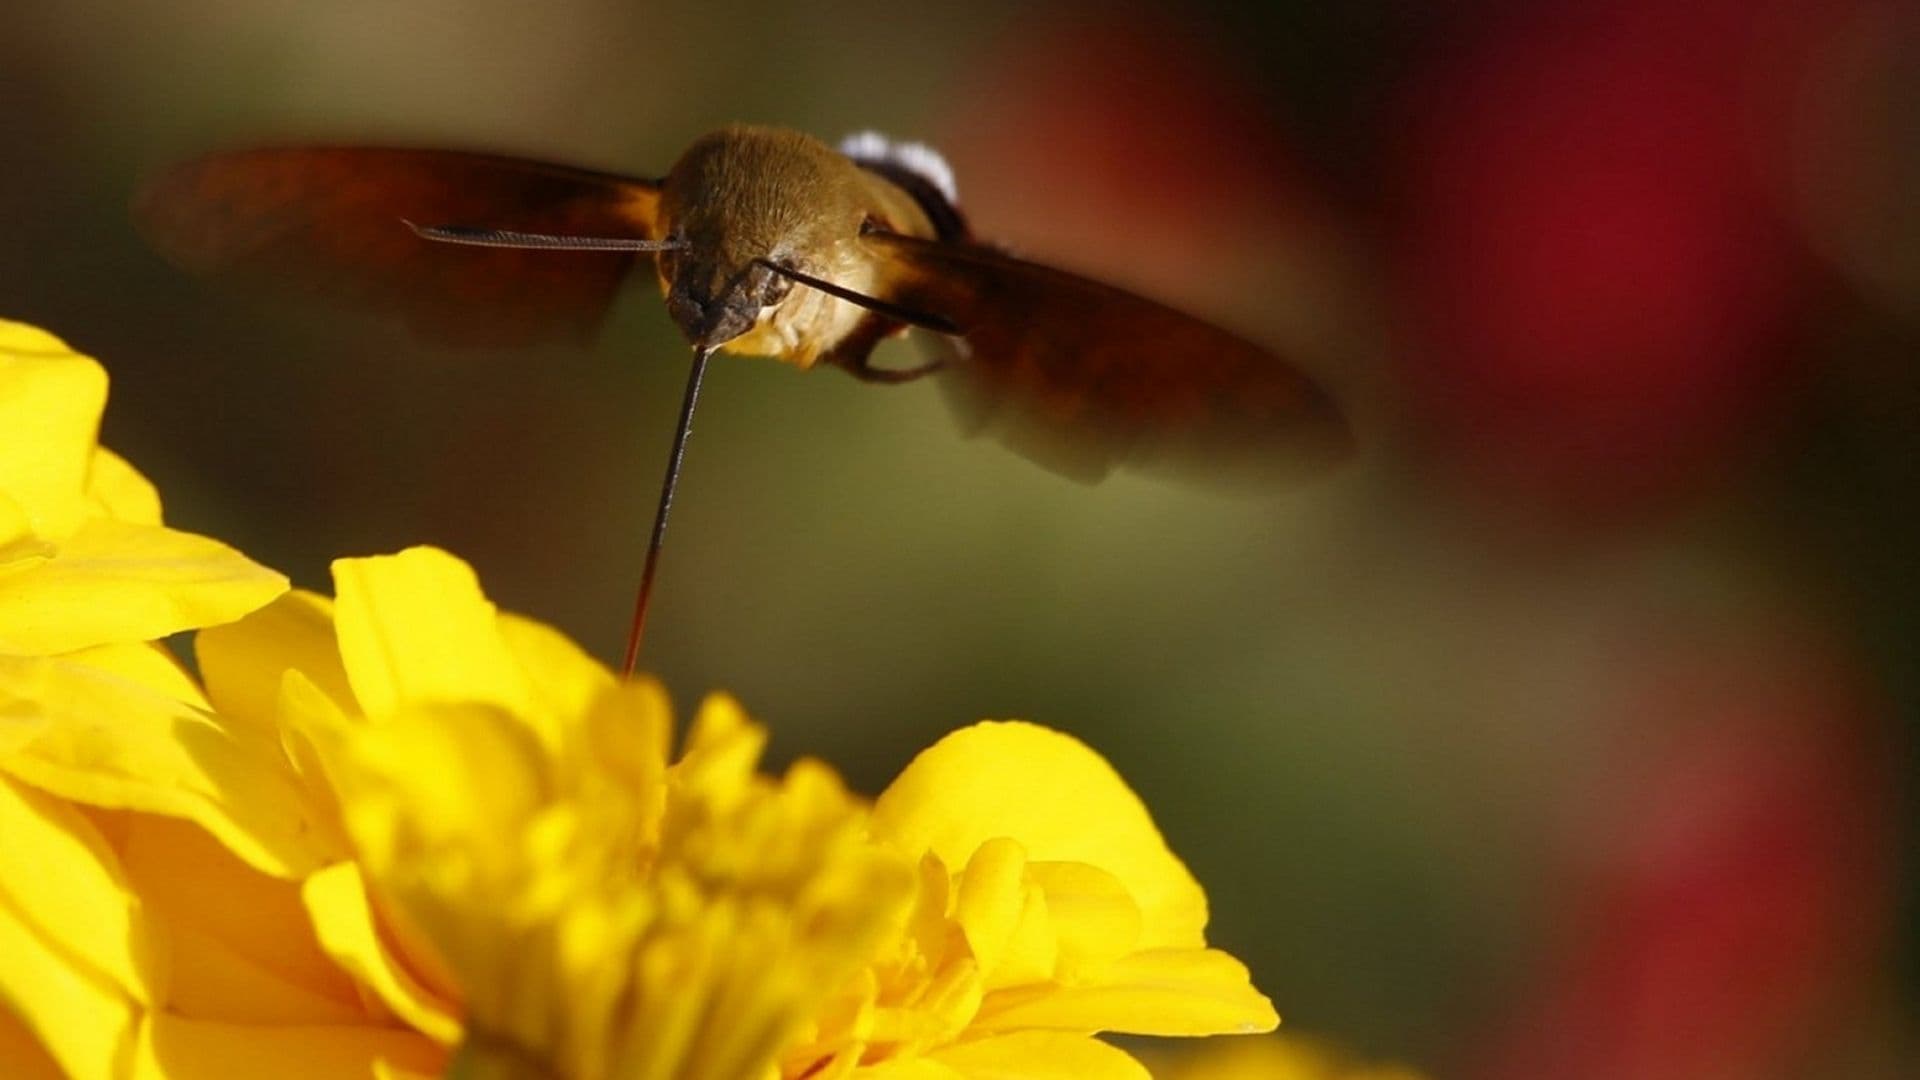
[476, 236]
[658, 540]
[871, 303]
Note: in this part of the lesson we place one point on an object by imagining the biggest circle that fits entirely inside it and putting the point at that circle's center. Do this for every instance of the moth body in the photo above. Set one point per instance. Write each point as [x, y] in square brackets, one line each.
[742, 197]
[764, 241]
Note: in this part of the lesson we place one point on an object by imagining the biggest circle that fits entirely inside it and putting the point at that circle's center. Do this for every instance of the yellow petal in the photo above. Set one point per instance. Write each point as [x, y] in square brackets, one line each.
[1059, 799]
[143, 663]
[992, 894]
[722, 749]
[19, 547]
[419, 780]
[29, 340]
[1032, 952]
[75, 951]
[83, 1021]
[627, 732]
[212, 982]
[336, 899]
[415, 629]
[313, 731]
[243, 662]
[117, 490]
[106, 740]
[243, 946]
[115, 581]
[1164, 992]
[175, 1048]
[65, 884]
[1095, 920]
[566, 681]
[1039, 1055]
[21, 1055]
[908, 1068]
[50, 404]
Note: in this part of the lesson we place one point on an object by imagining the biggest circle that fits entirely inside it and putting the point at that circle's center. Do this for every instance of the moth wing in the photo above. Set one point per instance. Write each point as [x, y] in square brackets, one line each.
[1083, 377]
[332, 221]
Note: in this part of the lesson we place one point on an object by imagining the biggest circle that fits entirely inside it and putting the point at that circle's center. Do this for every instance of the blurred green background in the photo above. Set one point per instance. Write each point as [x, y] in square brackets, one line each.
[1560, 734]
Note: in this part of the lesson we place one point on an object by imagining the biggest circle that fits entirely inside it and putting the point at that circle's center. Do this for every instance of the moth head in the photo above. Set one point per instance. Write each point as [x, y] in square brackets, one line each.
[713, 302]
[738, 200]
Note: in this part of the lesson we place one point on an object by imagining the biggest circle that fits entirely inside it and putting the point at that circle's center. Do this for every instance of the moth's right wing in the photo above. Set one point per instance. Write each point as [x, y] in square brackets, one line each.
[332, 221]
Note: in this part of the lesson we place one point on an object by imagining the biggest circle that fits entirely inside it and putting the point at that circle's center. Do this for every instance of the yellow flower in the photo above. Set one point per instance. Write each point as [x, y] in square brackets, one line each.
[1274, 1058]
[492, 848]
[1049, 908]
[523, 873]
[84, 559]
[131, 942]
[527, 863]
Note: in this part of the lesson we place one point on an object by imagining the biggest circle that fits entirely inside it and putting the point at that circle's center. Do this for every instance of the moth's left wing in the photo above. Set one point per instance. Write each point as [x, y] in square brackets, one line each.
[1083, 377]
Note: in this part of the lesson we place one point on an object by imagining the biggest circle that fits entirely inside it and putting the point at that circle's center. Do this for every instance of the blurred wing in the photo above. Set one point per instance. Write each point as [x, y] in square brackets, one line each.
[328, 220]
[1082, 377]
